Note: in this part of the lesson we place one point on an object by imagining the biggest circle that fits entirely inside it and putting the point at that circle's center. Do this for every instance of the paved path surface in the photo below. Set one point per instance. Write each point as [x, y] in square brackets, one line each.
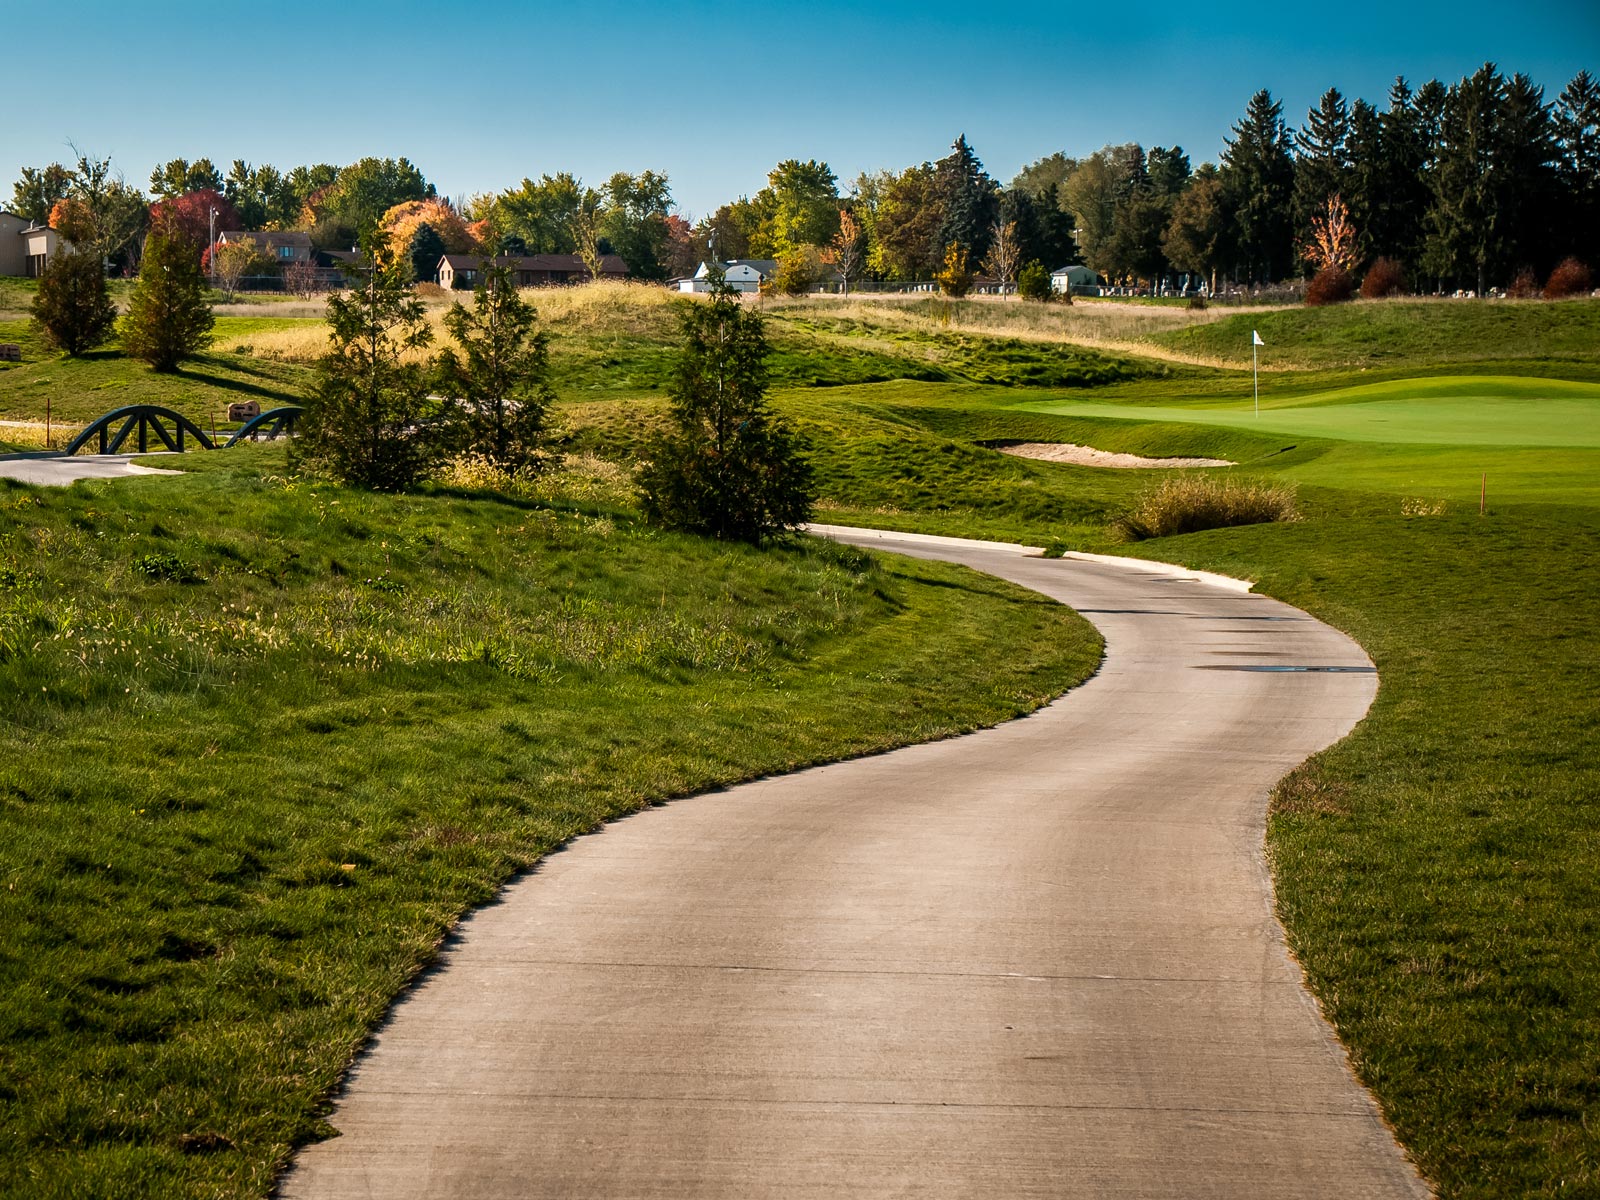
[60, 471]
[1035, 961]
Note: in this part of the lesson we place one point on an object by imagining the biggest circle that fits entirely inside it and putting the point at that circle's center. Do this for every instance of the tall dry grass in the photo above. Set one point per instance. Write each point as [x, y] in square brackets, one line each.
[1103, 324]
[614, 308]
[1190, 503]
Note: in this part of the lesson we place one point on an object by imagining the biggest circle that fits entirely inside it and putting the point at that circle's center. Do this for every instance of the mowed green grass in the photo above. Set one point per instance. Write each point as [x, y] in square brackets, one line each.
[264, 740]
[1436, 871]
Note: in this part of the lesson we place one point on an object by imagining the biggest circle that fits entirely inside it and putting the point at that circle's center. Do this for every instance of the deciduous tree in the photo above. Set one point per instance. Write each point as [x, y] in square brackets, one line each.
[36, 193]
[1005, 254]
[846, 250]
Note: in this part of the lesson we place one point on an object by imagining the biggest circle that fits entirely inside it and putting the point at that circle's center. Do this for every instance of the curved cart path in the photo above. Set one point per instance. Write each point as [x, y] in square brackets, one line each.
[1039, 960]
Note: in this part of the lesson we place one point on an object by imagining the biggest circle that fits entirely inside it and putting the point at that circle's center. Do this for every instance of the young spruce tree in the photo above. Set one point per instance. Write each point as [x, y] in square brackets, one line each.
[499, 378]
[169, 317]
[73, 308]
[369, 421]
[729, 467]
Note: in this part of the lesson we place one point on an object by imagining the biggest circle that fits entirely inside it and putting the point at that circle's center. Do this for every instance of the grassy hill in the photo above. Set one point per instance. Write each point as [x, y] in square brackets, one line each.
[264, 739]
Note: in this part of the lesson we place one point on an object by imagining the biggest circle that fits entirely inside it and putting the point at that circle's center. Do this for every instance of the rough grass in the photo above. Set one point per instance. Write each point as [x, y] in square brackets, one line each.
[1191, 503]
[264, 739]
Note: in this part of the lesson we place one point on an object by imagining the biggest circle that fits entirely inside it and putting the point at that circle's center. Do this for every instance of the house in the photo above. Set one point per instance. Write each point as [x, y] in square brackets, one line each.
[282, 246]
[1077, 276]
[12, 259]
[26, 248]
[531, 270]
[742, 275]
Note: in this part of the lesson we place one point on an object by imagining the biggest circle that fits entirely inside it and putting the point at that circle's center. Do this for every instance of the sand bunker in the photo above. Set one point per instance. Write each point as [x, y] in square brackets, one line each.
[1088, 456]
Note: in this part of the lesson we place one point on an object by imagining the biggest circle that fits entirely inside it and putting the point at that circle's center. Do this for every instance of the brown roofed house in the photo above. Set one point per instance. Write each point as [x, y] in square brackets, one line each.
[532, 270]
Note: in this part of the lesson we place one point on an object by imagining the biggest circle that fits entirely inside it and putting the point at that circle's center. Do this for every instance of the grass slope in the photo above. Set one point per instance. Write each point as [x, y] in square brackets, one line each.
[264, 740]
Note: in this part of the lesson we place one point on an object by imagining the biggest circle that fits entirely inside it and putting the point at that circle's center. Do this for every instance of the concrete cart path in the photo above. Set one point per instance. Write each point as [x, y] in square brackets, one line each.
[59, 470]
[1039, 960]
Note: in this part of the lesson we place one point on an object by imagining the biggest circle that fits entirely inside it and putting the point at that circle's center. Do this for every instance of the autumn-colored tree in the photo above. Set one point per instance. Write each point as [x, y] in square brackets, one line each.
[1333, 238]
[301, 277]
[799, 268]
[1383, 278]
[400, 223]
[845, 252]
[1570, 278]
[189, 216]
[955, 278]
[234, 261]
[585, 224]
[1004, 253]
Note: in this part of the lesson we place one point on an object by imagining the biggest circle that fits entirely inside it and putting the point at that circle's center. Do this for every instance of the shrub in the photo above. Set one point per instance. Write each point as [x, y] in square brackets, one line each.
[798, 271]
[1332, 285]
[956, 277]
[1525, 286]
[1033, 282]
[1384, 278]
[1197, 302]
[163, 567]
[1570, 278]
[1190, 503]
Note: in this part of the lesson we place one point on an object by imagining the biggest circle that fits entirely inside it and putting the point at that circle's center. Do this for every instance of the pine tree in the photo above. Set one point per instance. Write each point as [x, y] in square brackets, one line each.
[1258, 174]
[1322, 161]
[73, 309]
[1577, 130]
[1058, 245]
[369, 420]
[1366, 182]
[169, 318]
[1391, 206]
[499, 378]
[729, 467]
[968, 197]
[1525, 191]
[425, 251]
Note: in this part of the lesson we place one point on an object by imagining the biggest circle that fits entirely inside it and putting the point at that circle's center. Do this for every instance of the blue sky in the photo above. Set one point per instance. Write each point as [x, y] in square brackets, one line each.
[715, 93]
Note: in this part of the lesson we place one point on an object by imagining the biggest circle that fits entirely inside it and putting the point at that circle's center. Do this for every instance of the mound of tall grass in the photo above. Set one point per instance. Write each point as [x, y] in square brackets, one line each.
[1190, 503]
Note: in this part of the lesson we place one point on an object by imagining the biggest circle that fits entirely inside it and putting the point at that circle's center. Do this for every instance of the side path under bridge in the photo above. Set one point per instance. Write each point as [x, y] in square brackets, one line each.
[1039, 960]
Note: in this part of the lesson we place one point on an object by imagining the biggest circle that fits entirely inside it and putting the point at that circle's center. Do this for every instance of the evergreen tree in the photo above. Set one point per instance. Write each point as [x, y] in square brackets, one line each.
[1057, 244]
[1167, 171]
[72, 308]
[1467, 237]
[1365, 186]
[1525, 191]
[168, 318]
[729, 467]
[499, 377]
[1258, 175]
[1018, 210]
[1322, 161]
[368, 420]
[1577, 130]
[968, 199]
[425, 251]
[1394, 219]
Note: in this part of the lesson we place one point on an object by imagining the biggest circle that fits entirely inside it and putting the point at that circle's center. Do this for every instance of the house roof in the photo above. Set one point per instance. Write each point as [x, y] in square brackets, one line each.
[610, 264]
[762, 266]
[278, 237]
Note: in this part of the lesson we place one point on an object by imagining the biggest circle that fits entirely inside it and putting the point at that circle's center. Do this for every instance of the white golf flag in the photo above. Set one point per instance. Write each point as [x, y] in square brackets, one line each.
[1256, 338]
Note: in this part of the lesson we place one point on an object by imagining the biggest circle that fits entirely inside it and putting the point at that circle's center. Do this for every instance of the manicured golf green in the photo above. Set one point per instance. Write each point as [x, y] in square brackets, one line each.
[1450, 410]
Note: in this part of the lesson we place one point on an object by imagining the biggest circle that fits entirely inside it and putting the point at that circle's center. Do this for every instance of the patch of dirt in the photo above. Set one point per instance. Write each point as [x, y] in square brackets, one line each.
[1088, 456]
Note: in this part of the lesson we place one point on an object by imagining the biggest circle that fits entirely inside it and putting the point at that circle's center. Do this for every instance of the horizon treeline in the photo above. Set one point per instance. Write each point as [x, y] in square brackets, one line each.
[1463, 185]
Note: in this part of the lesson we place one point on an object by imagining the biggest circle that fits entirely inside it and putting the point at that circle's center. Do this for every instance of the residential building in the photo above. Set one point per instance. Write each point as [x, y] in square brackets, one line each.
[531, 270]
[741, 274]
[12, 259]
[1067, 278]
[282, 246]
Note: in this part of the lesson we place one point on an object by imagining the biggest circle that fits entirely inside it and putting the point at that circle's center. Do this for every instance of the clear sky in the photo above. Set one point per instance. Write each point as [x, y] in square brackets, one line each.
[714, 92]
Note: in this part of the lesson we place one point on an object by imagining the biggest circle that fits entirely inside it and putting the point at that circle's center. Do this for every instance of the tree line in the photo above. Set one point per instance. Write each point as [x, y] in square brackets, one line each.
[1463, 185]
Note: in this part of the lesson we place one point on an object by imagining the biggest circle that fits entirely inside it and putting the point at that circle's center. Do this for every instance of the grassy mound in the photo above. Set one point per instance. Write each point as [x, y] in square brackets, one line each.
[1386, 333]
[265, 739]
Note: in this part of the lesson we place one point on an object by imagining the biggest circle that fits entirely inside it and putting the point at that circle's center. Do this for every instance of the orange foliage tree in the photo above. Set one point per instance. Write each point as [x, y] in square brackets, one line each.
[1333, 238]
[400, 224]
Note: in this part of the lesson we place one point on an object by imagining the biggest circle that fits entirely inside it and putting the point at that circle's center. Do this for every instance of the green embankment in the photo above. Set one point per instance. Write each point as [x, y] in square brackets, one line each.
[264, 739]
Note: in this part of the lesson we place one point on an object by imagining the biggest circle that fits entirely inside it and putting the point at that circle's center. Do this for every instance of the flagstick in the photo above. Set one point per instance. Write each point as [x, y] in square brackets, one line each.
[1255, 373]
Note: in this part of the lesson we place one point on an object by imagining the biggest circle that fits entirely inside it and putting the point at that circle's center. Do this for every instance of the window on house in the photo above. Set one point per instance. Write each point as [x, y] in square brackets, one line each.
[285, 251]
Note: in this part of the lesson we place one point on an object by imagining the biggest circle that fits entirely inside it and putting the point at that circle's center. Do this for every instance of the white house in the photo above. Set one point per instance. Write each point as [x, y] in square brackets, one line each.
[1074, 277]
[742, 274]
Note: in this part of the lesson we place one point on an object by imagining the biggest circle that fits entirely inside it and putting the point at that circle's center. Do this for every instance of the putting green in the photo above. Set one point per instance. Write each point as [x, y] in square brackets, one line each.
[1446, 411]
